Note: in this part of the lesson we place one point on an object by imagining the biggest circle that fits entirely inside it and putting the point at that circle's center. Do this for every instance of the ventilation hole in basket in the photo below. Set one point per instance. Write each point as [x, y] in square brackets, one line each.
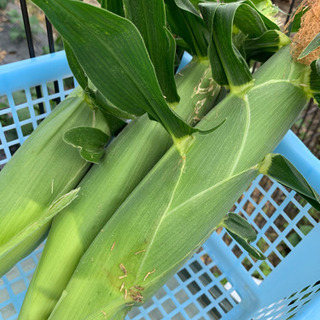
[178, 316]
[306, 296]
[225, 283]
[148, 304]
[271, 234]
[225, 305]
[257, 277]
[160, 293]
[51, 88]
[237, 251]
[191, 310]
[168, 306]
[278, 196]
[2, 154]
[18, 287]
[36, 92]
[155, 314]
[304, 289]
[215, 292]
[256, 196]
[260, 221]
[265, 268]
[274, 259]
[181, 296]
[205, 279]
[305, 225]
[195, 266]
[240, 199]
[316, 284]
[291, 210]
[4, 105]
[216, 271]
[235, 297]
[269, 209]
[227, 239]
[8, 311]
[28, 265]
[68, 83]
[281, 223]
[19, 97]
[39, 121]
[39, 108]
[13, 274]
[283, 249]
[214, 314]
[6, 118]
[206, 259]
[4, 295]
[300, 200]
[184, 275]
[134, 313]
[265, 183]
[247, 264]
[291, 316]
[14, 148]
[52, 104]
[11, 135]
[248, 207]
[204, 301]
[292, 309]
[262, 245]
[314, 214]
[193, 287]
[293, 237]
[27, 129]
[172, 283]
[23, 114]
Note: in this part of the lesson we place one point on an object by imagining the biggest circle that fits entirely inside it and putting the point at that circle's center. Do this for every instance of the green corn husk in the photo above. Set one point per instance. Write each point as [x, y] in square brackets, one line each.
[129, 158]
[184, 198]
[35, 184]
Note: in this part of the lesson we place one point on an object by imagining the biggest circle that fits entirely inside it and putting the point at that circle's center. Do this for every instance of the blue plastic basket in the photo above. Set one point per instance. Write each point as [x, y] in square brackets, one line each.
[221, 281]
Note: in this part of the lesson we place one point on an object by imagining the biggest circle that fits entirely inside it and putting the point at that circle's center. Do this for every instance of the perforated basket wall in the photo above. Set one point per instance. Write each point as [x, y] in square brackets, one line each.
[221, 281]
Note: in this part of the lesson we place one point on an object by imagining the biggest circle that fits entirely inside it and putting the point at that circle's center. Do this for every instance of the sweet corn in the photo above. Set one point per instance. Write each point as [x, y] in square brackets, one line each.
[35, 184]
[184, 198]
[129, 158]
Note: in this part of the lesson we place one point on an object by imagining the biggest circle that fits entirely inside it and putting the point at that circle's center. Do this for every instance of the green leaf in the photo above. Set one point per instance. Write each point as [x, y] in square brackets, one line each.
[248, 247]
[282, 170]
[242, 232]
[228, 65]
[296, 23]
[105, 106]
[315, 80]
[115, 6]
[75, 66]
[227, 22]
[149, 17]
[56, 207]
[239, 226]
[261, 48]
[186, 5]
[107, 44]
[90, 141]
[185, 21]
[313, 45]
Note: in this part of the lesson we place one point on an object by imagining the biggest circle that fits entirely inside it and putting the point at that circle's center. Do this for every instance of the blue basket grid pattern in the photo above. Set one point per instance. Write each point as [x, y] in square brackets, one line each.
[207, 287]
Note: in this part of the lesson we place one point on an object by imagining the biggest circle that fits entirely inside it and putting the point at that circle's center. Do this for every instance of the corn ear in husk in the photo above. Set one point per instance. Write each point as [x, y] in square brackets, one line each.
[36, 183]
